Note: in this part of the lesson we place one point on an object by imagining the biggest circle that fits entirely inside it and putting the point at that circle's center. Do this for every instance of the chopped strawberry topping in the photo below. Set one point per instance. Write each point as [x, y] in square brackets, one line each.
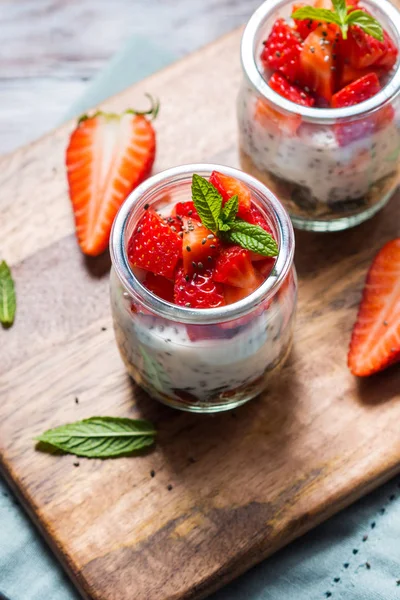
[362, 50]
[288, 90]
[375, 343]
[318, 61]
[230, 186]
[199, 291]
[186, 209]
[234, 267]
[282, 50]
[160, 286]
[199, 246]
[154, 246]
[357, 92]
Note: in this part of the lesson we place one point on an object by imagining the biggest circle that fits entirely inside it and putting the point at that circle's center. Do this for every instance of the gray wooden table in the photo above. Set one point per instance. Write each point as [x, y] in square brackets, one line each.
[51, 49]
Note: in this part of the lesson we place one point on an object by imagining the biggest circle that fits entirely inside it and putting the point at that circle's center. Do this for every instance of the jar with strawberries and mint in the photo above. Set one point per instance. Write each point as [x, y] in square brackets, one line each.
[319, 108]
[203, 287]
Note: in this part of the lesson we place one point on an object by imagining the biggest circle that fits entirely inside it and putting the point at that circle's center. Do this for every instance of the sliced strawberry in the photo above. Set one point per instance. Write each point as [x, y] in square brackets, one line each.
[199, 291]
[288, 90]
[375, 343]
[265, 266]
[154, 247]
[228, 187]
[234, 267]
[318, 61]
[106, 158]
[256, 218]
[199, 246]
[282, 50]
[357, 92]
[186, 209]
[304, 26]
[271, 118]
[160, 286]
[389, 59]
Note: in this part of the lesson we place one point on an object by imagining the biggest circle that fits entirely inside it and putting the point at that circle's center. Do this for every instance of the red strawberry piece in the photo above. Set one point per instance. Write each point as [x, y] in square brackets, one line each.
[288, 90]
[271, 118]
[230, 186]
[362, 50]
[198, 291]
[282, 50]
[199, 246]
[318, 60]
[154, 246]
[357, 92]
[349, 74]
[174, 222]
[186, 209]
[235, 294]
[106, 158]
[375, 343]
[265, 266]
[234, 267]
[160, 286]
[256, 218]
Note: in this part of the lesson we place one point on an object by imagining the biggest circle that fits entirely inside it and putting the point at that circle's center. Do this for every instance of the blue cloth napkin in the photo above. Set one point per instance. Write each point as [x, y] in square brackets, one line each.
[353, 556]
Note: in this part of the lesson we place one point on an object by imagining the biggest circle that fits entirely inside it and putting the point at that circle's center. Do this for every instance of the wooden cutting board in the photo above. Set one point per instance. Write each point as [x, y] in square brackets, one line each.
[243, 483]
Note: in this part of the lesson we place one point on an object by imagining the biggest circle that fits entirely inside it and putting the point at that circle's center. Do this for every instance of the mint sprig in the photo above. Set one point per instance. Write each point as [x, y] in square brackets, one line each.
[223, 221]
[342, 16]
[8, 301]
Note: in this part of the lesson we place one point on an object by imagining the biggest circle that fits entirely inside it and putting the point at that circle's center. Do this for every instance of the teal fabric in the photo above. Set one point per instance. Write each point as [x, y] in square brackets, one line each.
[354, 556]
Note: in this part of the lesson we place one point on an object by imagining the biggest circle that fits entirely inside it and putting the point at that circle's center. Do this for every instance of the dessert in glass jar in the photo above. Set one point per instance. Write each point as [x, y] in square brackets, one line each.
[203, 287]
[319, 108]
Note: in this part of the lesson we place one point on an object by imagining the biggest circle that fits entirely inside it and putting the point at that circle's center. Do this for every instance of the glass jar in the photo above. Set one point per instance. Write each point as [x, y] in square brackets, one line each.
[201, 360]
[331, 168]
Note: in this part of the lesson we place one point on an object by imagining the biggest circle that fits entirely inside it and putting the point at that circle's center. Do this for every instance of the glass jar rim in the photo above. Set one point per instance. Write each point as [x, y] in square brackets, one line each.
[310, 114]
[183, 314]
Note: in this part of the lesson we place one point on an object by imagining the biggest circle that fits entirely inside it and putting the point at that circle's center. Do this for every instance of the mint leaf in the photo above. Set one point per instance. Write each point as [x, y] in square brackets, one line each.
[8, 301]
[367, 23]
[341, 9]
[316, 14]
[253, 238]
[208, 202]
[101, 437]
[222, 226]
[230, 209]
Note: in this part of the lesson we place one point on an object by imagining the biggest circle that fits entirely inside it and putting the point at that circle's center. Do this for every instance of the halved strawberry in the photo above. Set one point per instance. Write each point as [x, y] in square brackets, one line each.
[160, 286]
[228, 187]
[199, 291]
[234, 267]
[318, 60]
[375, 342]
[288, 90]
[107, 157]
[199, 246]
[357, 92]
[282, 50]
[271, 118]
[154, 247]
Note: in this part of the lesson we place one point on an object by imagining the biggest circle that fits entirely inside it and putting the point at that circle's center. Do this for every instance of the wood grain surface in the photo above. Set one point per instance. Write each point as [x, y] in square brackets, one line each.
[244, 483]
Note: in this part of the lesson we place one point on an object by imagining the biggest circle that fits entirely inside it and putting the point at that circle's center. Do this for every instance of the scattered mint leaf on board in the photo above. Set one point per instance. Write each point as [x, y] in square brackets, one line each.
[101, 437]
[342, 17]
[253, 238]
[8, 301]
[230, 209]
[208, 202]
